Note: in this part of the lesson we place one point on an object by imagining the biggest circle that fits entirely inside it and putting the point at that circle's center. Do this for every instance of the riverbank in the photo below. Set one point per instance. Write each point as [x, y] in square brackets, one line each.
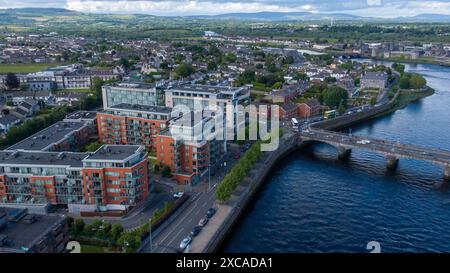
[231, 211]
[417, 61]
[401, 99]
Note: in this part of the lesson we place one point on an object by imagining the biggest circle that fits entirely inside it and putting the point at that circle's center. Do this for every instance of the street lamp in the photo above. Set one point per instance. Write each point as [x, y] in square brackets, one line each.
[209, 176]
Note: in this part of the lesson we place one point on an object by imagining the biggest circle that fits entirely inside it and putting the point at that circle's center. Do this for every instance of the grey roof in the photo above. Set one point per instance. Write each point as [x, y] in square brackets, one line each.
[137, 85]
[21, 234]
[143, 108]
[375, 76]
[50, 135]
[114, 152]
[22, 112]
[28, 158]
[8, 119]
[82, 115]
[205, 88]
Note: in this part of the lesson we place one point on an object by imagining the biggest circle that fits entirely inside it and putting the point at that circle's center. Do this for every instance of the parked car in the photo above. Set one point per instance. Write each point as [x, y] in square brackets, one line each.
[186, 241]
[178, 195]
[195, 231]
[203, 222]
[210, 212]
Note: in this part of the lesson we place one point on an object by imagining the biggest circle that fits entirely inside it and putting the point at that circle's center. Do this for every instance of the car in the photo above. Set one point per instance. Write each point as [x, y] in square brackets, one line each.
[186, 241]
[195, 231]
[203, 222]
[210, 212]
[237, 156]
[247, 146]
[178, 195]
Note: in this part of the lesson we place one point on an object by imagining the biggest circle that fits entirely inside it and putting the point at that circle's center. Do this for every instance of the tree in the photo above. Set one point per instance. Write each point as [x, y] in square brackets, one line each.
[342, 108]
[78, 227]
[247, 76]
[300, 76]
[92, 147]
[166, 171]
[230, 57]
[404, 82]
[184, 70]
[125, 62]
[335, 95]
[11, 81]
[398, 67]
[373, 101]
[129, 242]
[212, 66]
[416, 81]
[116, 232]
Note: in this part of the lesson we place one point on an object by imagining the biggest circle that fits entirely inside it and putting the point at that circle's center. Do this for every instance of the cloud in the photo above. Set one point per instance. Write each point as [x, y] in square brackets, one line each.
[378, 8]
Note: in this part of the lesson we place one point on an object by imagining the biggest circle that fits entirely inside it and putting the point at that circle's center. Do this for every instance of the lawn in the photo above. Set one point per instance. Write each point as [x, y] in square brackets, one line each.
[92, 249]
[24, 68]
[80, 90]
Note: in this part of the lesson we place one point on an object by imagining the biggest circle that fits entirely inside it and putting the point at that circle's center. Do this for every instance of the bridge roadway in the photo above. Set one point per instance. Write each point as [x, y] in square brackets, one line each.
[391, 149]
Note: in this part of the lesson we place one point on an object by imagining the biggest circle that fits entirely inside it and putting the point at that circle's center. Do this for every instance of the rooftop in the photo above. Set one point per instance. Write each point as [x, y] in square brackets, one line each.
[48, 136]
[133, 85]
[143, 108]
[22, 235]
[27, 158]
[375, 76]
[115, 152]
[206, 88]
[82, 115]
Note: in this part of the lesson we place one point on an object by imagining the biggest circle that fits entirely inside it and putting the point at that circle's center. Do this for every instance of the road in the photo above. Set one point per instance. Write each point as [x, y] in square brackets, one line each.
[168, 239]
[383, 146]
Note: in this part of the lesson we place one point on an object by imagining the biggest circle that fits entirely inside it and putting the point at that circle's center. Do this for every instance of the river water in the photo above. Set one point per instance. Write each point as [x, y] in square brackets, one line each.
[316, 203]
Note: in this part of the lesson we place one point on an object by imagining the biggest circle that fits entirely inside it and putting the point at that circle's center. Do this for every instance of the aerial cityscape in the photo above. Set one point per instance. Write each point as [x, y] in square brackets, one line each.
[225, 127]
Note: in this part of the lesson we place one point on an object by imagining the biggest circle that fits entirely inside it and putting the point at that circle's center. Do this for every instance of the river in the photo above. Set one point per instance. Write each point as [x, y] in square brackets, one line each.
[316, 203]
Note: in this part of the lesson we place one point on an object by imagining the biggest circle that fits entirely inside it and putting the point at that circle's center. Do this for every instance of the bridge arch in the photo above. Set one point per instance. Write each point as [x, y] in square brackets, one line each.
[342, 151]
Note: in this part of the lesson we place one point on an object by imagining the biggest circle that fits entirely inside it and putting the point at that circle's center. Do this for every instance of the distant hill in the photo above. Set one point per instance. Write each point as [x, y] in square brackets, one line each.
[282, 16]
[441, 18]
[16, 14]
[39, 11]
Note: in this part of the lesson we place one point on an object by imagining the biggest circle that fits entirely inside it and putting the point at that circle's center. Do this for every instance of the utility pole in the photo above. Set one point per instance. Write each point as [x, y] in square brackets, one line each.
[209, 176]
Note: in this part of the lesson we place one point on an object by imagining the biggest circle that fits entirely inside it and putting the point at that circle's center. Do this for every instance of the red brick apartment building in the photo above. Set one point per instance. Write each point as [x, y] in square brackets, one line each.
[189, 158]
[132, 124]
[112, 178]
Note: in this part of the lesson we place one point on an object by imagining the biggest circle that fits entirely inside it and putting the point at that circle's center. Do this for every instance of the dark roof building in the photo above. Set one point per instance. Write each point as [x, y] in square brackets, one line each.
[21, 232]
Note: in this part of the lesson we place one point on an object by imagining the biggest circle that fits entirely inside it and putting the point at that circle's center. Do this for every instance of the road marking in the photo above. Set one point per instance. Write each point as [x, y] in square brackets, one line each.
[177, 223]
[175, 237]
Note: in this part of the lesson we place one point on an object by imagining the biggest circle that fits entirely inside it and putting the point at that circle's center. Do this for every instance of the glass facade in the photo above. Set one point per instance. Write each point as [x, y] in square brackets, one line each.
[116, 96]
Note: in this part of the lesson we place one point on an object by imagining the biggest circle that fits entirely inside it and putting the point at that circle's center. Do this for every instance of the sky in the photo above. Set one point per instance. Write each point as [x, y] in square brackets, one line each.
[374, 8]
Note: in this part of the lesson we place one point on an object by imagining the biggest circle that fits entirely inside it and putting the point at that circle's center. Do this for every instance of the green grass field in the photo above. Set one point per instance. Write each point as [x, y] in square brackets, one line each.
[24, 68]
[92, 249]
[81, 90]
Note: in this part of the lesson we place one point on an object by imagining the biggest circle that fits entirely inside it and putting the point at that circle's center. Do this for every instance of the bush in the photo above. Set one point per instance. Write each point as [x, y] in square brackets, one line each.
[166, 171]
